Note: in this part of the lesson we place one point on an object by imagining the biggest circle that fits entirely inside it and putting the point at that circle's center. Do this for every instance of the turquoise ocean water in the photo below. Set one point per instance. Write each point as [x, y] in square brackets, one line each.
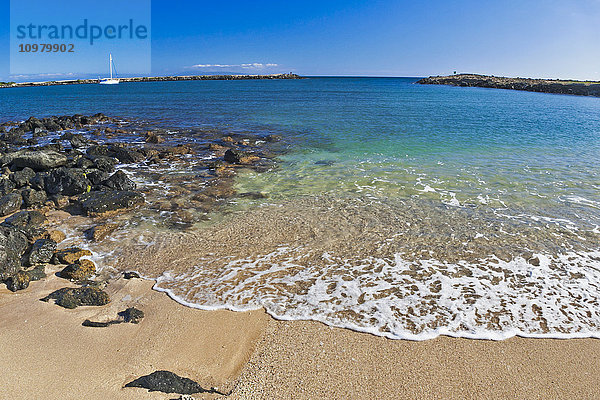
[414, 192]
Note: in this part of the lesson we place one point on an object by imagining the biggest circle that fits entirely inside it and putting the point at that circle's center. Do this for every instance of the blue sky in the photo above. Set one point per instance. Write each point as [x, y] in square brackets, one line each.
[542, 38]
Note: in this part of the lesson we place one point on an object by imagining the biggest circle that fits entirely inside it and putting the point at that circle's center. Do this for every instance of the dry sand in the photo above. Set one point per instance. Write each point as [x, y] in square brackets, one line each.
[47, 354]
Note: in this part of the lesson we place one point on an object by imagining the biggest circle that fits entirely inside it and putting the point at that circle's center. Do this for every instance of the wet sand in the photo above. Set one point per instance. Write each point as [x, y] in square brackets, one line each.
[46, 353]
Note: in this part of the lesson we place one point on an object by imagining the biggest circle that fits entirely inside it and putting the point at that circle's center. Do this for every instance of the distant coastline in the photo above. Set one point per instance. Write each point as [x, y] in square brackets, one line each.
[154, 79]
[579, 88]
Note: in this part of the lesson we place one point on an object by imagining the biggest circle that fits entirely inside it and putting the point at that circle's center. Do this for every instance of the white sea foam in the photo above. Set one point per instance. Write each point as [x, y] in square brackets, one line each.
[399, 299]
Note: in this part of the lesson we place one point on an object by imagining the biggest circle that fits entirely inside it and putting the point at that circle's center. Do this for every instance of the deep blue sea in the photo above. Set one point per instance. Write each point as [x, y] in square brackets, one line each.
[403, 210]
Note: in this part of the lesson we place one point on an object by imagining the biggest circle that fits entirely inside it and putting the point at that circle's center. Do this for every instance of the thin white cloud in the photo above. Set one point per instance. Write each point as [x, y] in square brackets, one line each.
[43, 75]
[244, 66]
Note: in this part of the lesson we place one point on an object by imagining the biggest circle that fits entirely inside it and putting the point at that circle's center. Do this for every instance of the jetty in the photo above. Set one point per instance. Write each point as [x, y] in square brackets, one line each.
[154, 79]
[579, 88]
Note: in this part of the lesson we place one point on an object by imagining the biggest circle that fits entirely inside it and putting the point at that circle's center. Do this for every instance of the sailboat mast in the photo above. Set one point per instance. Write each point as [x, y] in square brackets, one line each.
[110, 64]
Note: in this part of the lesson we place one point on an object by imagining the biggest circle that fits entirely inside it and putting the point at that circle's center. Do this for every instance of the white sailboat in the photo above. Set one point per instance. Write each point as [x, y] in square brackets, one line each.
[111, 80]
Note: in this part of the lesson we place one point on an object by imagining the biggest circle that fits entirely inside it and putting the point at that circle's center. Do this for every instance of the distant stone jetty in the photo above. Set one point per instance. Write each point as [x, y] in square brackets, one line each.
[580, 88]
[155, 79]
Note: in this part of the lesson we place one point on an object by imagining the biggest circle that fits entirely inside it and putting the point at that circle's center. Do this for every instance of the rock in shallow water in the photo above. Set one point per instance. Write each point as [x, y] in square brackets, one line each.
[70, 256]
[97, 203]
[119, 181]
[75, 297]
[130, 275]
[168, 382]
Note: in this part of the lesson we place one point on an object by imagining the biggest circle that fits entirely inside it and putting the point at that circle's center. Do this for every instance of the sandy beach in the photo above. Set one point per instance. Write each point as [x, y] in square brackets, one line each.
[47, 353]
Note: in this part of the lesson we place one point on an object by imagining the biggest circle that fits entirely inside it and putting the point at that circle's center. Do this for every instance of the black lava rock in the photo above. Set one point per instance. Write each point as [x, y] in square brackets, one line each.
[38, 160]
[21, 178]
[106, 164]
[41, 252]
[28, 222]
[10, 203]
[168, 382]
[12, 246]
[132, 315]
[125, 155]
[233, 156]
[67, 181]
[75, 297]
[95, 203]
[77, 140]
[130, 275]
[37, 273]
[32, 197]
[6, 186]
[119, 181]
[18, 281]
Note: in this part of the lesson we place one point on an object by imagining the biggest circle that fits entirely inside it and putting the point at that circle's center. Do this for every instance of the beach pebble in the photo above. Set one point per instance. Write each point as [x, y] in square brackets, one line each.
[130, 275]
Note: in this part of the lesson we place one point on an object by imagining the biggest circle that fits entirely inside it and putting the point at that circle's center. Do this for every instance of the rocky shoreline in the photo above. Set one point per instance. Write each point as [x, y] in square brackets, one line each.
[57, 168]
[155, 79]
[76, 165]
[579, 88]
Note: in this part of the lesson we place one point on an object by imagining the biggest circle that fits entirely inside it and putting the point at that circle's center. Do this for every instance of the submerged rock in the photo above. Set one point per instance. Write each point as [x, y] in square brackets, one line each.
[75, 297]
[99, 232]
[96, 203]
[168, 382]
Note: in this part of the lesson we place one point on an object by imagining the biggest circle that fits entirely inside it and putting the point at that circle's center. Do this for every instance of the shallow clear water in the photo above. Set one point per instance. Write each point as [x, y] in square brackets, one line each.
[389, 189]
